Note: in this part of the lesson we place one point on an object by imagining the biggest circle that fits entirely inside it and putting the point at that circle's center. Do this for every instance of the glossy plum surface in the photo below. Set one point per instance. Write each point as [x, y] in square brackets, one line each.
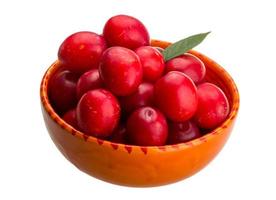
[126, 31]
[213, 106]
[143, 96]
[98, 113]
[147, 127]
[175, 95]
[189, 65]
[88, 81]
[152, 61]
[121, 70]
[81, 51]
[62, 91]
[182, 132]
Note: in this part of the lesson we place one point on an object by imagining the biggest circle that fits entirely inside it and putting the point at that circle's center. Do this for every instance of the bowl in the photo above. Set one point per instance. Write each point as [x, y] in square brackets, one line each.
[140, 166]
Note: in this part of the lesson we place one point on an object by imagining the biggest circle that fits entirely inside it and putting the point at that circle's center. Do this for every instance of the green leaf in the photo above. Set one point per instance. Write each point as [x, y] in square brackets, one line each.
[182, 46]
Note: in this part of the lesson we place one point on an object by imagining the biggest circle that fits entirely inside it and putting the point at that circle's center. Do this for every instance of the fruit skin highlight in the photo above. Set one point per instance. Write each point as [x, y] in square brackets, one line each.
[98, 113]
[189, 65]
[213, 106]
[126, 31]
[152, 61]
[147, 127]
[175, 95]
[81, 51]
[121, 70]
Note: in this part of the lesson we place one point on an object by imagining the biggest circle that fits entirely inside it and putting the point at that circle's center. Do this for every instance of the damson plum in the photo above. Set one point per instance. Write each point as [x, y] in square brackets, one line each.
[175, 95]
[121, 70]
[62, 91]
[213, 106]
[143, 96]
[98, 113]
[88, 81]
[152, 61]
[119, 135]
[189, 65]
[81, 51]
[70, 118]
[126, 31]
[182, 132]
[147, 127]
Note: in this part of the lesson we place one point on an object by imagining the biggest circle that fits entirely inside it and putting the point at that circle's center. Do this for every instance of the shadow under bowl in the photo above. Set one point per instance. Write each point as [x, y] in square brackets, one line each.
[136, 165]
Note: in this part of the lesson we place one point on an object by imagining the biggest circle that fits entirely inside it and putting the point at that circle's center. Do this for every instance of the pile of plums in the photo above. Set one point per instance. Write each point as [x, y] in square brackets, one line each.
[115, 86]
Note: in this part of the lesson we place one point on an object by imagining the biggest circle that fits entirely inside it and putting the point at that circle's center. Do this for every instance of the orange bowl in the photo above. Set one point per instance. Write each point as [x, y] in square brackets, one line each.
[136, 165]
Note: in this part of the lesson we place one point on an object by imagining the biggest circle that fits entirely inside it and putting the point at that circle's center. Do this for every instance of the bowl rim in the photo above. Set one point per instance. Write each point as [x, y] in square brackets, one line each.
[76, 133]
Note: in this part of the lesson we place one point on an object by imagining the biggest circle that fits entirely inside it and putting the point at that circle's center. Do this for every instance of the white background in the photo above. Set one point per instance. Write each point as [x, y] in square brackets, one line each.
[243, 40]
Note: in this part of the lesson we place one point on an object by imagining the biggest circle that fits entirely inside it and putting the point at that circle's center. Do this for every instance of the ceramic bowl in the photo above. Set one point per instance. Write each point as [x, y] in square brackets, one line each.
[136, 165]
